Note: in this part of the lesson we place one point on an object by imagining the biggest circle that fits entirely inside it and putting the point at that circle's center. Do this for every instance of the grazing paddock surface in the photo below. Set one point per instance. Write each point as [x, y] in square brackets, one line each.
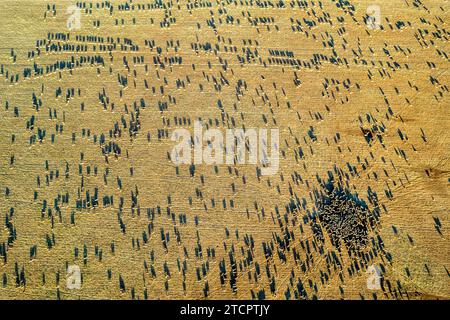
[93, 204]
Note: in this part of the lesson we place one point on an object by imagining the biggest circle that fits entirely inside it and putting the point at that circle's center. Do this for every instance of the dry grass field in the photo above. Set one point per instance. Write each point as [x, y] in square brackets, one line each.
[358, 209]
